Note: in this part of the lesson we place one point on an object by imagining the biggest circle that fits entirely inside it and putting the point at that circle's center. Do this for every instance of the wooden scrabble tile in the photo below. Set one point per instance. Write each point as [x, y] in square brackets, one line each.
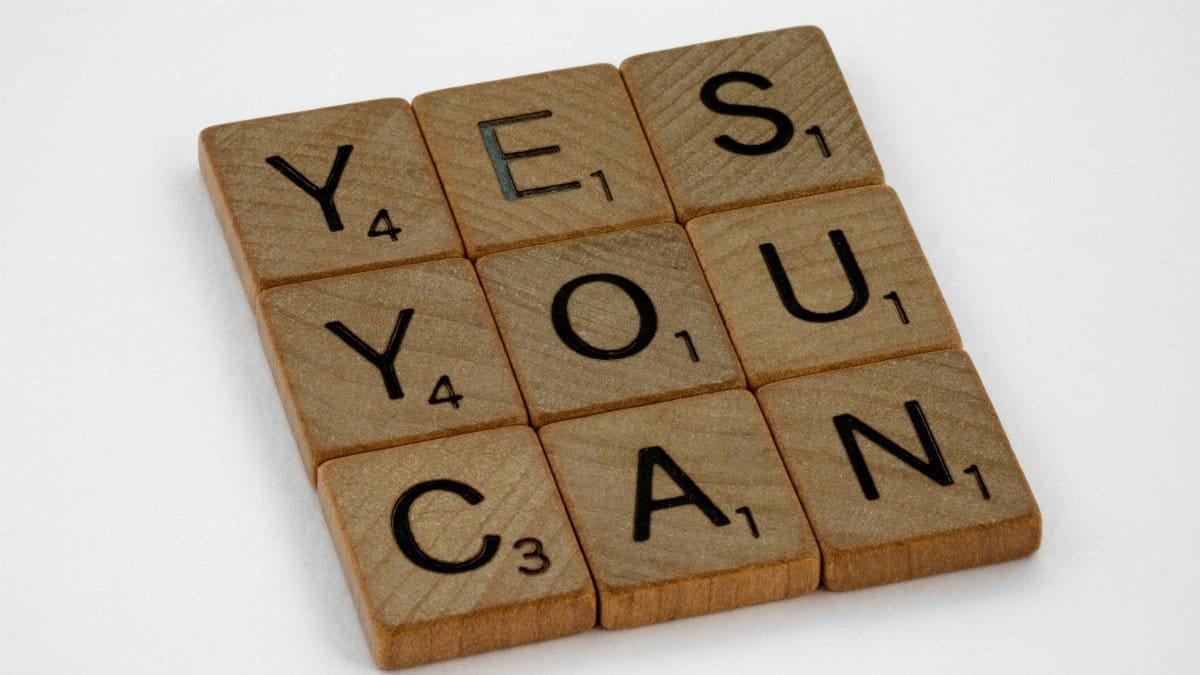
[903, 469]
[750, 120]
[607, 321]
[456, 546]
[377, 359]
[823, 282]
[682, 508]
[326, 192]
[542, 157]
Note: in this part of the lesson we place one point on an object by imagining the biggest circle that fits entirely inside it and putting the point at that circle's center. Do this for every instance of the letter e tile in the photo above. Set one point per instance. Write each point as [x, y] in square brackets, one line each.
[542, 157]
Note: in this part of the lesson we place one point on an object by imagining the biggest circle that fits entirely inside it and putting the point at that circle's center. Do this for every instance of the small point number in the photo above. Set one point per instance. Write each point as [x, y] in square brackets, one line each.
[687, 340]
[535, 553]
[745, 511]
[388, 230]
[444, 386]
[599, 175]
[983, 489]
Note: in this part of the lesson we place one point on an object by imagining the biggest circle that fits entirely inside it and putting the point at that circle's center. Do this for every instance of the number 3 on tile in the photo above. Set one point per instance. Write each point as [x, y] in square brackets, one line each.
[535, 553]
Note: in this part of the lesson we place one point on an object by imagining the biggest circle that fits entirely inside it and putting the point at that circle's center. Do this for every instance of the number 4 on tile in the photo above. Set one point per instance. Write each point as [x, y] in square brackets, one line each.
[444, 386]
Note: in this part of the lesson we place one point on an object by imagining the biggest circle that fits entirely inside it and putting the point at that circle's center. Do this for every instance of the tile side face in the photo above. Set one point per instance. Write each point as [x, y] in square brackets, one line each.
[542, 157]
[377, 359]
[821, 283]
[749, 120]
[903, 468]
[326, 192]
[682, 508]
[456, 546]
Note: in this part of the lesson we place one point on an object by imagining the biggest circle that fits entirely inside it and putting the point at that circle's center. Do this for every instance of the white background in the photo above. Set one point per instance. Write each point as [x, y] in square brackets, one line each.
[154, 516]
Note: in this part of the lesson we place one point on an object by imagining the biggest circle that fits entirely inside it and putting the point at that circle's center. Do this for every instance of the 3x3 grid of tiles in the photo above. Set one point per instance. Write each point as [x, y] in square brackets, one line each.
[611, 345]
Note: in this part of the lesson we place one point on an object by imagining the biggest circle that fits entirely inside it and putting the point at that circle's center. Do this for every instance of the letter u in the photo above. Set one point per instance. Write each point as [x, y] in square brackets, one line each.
[783, 285]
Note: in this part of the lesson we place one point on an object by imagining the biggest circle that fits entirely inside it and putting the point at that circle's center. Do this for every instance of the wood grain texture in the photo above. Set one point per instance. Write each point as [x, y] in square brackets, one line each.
[586, 115]
[414, 615]
[559, 382]
[338, 402]
[278, 233]
[687, 565]
[916, 526]
[803, 83]
[773, 342]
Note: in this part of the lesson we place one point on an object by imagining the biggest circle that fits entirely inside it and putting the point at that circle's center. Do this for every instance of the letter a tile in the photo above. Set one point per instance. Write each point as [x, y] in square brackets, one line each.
[750, 120]
[903, 469]
[542, 157]
[456, 546]
[682, 508]
[325, 192]
[823, 282]
[376, 359]
[608, 321]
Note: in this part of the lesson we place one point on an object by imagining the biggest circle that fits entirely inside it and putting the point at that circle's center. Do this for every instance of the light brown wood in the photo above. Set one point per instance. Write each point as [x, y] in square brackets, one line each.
[772, 340]
[569, 124]
[689, 561]
[278, 233]
[339, 402]
[533, 585]
[802, 83]
[917, 524]
[561, 382]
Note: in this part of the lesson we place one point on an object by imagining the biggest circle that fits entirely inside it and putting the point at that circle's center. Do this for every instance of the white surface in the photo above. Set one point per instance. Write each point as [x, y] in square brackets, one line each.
[154, 516]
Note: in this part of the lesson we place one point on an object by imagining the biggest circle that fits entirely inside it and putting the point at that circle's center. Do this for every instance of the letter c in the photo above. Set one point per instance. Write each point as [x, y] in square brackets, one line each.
[402, 529]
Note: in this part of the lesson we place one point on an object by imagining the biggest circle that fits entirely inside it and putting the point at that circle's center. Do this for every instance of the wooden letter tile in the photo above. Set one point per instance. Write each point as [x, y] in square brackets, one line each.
[823, 282]
[750, 120]
[456, 546]
[376, 359]
[542, 157]
[326, 192]
[607, 321]
[903, 469]
[682, 508]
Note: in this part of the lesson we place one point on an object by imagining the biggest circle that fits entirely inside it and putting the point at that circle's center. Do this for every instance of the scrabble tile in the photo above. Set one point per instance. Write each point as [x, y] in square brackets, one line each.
[903, 469]
[326, 192]
[822, 282]
[456, 546]
[542, 157]
[377, 359]
[608, 321]
[682, 508]
[750, 120]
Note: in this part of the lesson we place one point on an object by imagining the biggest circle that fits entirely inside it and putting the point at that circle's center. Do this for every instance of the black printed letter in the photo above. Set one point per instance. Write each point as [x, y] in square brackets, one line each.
[323, 195]
[647, 317]
[402, 529]
[385, 362]
[934, 466]
[783, 126]
[645, 504]
[858, 283]
[500, 158]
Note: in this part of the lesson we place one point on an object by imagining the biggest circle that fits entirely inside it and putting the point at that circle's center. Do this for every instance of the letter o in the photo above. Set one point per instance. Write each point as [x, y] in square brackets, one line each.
[647, 317]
